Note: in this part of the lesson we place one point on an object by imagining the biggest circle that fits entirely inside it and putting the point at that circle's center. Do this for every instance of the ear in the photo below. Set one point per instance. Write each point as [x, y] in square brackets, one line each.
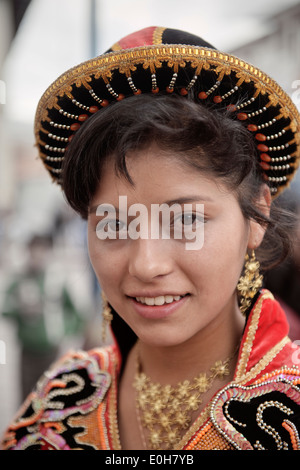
[257, 231]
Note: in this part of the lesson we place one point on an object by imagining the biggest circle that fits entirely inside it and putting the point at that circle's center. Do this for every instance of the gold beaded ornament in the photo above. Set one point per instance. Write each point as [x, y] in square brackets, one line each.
[250, 282]
[164, 411]
[107, 316]
[163, 60]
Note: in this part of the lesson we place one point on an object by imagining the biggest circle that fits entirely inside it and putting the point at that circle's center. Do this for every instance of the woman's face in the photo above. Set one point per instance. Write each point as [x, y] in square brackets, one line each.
[166, 292]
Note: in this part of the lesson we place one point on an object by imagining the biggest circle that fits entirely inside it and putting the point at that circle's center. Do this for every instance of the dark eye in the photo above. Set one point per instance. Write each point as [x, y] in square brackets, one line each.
[110, 228]
[189, 219]
[115, 225]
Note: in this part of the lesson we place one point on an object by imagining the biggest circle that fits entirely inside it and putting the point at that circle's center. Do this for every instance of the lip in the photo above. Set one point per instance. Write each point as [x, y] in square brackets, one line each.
[155, 294]
[157, 311]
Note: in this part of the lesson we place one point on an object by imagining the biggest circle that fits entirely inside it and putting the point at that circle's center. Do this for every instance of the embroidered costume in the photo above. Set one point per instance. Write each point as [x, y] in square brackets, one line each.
[75, 403]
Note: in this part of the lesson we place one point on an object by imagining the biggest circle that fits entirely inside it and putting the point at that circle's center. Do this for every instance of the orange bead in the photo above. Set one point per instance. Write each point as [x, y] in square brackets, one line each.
[264, 165]
[217, 99]
[104, 103]
[137, 92]
[155, 90]
[202, 95]
[260, 137]
[252, 127]
[82, 117]
[120, 97]
[231, 107]
[262, 147]
[75, 126]
[183, 92]
[93, 109]
[265, 157]
[169, 90]
[242, 116]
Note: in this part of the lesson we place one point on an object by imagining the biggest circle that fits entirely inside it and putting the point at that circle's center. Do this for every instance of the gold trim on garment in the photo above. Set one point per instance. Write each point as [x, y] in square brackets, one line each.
[263, 363]
[241, 376]
[112, 410]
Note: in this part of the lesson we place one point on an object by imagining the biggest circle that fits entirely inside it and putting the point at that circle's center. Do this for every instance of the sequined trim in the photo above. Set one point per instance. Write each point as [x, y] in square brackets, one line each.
[294, 435]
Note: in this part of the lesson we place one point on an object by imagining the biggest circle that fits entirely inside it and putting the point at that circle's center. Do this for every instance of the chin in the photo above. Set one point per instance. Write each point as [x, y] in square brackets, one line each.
[163, 339]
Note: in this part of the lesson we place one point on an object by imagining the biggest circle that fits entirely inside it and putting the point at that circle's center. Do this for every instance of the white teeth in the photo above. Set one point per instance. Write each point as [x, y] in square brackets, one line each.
[160, 300]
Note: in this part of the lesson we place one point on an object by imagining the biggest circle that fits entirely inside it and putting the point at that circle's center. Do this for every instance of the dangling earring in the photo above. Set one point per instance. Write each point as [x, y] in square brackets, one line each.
[106, 316]
[250, 282]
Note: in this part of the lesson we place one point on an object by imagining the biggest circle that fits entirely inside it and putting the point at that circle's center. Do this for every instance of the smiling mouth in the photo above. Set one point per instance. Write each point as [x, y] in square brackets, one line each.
[160, 300]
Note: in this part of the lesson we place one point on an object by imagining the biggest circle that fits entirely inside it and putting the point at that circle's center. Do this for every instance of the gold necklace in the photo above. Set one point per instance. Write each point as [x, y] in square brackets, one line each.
[166, 411]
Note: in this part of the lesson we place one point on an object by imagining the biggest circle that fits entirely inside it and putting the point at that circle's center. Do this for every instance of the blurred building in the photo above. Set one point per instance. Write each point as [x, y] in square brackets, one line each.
[30, 205]
[277, 52]
[11, 14]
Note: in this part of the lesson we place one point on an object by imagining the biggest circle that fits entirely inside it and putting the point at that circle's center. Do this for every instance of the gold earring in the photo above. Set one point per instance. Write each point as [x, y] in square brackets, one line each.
[106, 316]
[250, 282]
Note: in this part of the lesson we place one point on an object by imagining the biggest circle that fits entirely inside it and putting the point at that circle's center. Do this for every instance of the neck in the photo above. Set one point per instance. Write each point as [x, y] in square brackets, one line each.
[171, 364]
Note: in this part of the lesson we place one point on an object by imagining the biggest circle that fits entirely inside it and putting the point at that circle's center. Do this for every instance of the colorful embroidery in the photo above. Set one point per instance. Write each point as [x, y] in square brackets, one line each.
[50, 417]
[74, 405]
[253, 417]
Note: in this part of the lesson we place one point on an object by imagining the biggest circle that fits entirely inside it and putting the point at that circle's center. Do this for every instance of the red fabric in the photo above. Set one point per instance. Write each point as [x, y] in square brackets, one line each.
[140, 38]
[273, 327]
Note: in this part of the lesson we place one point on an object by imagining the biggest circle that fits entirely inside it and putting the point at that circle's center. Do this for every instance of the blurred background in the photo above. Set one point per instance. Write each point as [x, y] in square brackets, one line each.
[49, 300]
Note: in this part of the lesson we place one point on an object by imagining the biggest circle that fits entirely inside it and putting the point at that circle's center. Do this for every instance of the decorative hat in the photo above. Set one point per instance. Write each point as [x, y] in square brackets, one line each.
[162, 60]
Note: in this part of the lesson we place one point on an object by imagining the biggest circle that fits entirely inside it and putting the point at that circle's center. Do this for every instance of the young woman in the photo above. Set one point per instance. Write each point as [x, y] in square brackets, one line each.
[174, 153]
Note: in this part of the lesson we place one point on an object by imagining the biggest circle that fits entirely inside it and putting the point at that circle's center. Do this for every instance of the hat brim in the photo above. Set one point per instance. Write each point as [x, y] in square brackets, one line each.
[221, 80]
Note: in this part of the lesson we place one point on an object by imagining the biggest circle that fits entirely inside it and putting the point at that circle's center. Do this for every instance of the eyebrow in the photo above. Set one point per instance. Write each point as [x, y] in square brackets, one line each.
[181, 200]
[187, 199]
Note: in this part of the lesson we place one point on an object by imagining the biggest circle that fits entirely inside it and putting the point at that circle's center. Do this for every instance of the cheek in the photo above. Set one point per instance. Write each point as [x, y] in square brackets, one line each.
[219, 262]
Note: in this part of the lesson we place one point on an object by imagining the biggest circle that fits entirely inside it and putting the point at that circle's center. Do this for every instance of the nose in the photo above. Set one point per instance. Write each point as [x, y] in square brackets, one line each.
[149, 259]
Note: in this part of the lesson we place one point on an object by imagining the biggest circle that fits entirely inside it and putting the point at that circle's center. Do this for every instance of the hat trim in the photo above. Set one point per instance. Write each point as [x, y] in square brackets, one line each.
[176, 56]
[153, 56]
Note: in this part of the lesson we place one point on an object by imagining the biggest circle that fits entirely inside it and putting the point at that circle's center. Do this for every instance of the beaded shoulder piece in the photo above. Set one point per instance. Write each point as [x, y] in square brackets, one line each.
[62, 412]
[261, 416]
[260, 409]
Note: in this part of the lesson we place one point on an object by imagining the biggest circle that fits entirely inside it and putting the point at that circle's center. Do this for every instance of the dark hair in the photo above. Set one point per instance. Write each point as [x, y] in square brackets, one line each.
[206, 139]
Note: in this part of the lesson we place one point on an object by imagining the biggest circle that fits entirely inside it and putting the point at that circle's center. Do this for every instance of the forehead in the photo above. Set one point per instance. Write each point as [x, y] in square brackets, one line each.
[157, 176]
